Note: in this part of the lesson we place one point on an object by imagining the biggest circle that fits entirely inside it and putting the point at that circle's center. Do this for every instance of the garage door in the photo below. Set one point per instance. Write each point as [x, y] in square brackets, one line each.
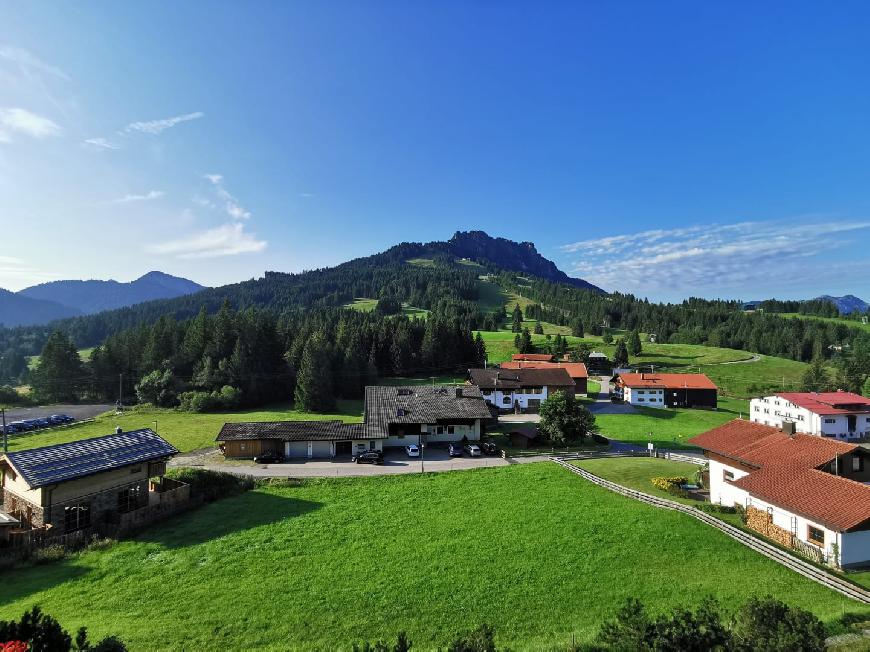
[297, 449]
[321, 449]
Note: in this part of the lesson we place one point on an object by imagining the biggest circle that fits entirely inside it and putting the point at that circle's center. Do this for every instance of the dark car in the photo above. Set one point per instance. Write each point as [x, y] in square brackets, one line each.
[60, 418]
[454, 449]
[489, 448]
[269, 457]
[369, 457]
[31, 424]
[11, 429]
[20, 426]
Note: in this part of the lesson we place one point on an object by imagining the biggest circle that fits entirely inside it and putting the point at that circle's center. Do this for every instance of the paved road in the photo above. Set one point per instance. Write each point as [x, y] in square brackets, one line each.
[603, 404]
[395, 463]
[78, 411]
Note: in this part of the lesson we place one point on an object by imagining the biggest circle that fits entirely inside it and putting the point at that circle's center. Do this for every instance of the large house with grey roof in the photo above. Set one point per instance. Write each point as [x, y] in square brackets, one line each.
[394, 416]
[80, 484]
[520, 390]
[803, 491]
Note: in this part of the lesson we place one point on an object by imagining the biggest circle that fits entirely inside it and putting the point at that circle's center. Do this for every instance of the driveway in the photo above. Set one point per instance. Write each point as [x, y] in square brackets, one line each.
[603, 404]
[395, 462]
[519, 418]
[79, 412]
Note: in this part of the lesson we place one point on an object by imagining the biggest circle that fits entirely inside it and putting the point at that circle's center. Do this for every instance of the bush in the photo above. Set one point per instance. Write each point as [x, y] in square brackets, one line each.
[42, 633]
[211, 485]
[712, 508]
[11, 396]
[54, 552]
[668, 484]
[228, 398]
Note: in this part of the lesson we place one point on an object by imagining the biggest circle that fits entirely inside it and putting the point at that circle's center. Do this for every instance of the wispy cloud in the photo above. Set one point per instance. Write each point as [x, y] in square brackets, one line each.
[22, 121]
[129, 199]
[154, 127]
[226, 240]
[101, 142]
[703, 259]
[29, 61]
[231, 205]
[16, 273]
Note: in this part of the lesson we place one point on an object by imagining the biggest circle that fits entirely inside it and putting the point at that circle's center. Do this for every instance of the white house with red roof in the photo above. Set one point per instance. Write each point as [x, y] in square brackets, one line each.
[841, 415]
[815, 492]
[665, 390]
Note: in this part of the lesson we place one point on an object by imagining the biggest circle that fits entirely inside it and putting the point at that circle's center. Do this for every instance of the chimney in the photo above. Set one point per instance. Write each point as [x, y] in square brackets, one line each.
[118, 430]
[788, 428]
[458, 392]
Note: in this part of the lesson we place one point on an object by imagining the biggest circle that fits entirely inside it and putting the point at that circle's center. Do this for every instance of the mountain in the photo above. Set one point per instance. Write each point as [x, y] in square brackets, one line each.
[88, 297]
[509, 255]
[18, 310]
[846, 304]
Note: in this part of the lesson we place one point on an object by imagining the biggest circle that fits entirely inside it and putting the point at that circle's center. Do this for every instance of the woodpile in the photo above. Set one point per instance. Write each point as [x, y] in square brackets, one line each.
[762, 522]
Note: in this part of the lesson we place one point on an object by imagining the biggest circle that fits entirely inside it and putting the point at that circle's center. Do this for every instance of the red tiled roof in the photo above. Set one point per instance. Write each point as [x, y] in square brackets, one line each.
[667, 381]
[574, 369]
[760, 445]
[828, 402]
[788, 474]
[533, 357]
[837, 502]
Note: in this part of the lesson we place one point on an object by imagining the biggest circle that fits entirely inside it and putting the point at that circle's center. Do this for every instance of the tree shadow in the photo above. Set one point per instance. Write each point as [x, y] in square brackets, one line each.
[249, 510]
[20, 582]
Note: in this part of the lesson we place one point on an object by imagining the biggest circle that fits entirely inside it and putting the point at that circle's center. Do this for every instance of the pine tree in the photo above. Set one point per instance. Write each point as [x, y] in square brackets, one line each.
[314, 382]
[607, 338]
[633, 344]
[59, 375]
[816, 378]
[577, 328]
[517, 319]
[539, 330]
[479, 349]
[620, 357]
[866, 391]
[526, 345]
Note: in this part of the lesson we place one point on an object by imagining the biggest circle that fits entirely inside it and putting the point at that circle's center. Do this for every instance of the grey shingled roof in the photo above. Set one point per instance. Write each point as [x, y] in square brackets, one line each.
[53, 464]
[292, 431]
[420, 404]
[518, 378]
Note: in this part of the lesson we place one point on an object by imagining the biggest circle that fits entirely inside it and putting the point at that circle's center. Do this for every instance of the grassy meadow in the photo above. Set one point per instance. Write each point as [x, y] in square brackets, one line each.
[185, 430]
[536, 551]
[638, 472]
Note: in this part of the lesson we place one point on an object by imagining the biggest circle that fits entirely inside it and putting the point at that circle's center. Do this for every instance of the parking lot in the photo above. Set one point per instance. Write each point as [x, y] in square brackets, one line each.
[78, 412]
[395, 462]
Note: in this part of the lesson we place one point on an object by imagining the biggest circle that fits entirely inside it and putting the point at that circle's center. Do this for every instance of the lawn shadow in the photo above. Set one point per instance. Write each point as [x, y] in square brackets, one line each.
[18, 583]
[249, 510]
[656, 413]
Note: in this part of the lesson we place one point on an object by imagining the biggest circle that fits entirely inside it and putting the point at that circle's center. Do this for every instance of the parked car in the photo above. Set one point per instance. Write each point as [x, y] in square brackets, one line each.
[412, 450]
[21, 426]
[473, 450]
[269, 457]
[489, 448]
[31, 424]
[11, 429]
[369, 457]
[59, 419]
[454, 449]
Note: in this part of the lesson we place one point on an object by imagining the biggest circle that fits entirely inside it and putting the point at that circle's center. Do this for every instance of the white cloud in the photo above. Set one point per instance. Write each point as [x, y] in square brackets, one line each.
[148, 196]
[101, 142]
[28, 60]
[22, 121]
[705, 259]
[154, 127]
[226, 240]
[232, 206]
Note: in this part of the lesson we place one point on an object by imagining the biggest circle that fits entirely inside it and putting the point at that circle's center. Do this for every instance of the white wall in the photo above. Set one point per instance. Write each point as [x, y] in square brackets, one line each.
[773, 410]
[472, 432]
[497, 398]
[854, 548]
[325, 449]
[644, 397]
[722, 492]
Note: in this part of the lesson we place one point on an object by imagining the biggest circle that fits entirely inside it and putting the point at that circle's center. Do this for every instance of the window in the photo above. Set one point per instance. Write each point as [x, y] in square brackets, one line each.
[76, 517]
[128, 499]
[815, 535]
[136, 469]
[242, 446]
[506, 400]
[857, 463]
[830, 421]
[727, 475]
[451, 430]
[756, 409]
[372, 445]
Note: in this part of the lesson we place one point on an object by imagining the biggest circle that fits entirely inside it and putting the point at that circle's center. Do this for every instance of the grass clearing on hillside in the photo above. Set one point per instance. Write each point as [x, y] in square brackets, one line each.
[368, 305]
[536, 551]
[638, 472]
[833, 320]
[185, 430]
[668, 428]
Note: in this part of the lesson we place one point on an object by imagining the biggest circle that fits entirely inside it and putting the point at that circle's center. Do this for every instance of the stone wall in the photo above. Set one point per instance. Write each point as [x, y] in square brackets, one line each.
[762, 522]
[20, 508]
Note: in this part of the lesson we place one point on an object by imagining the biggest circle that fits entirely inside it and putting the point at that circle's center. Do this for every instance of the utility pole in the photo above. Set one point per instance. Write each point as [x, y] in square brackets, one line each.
[120, 390]
[5, 434]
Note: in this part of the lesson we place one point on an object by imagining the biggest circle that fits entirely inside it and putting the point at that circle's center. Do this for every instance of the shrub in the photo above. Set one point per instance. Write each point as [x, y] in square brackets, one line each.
[54, 552]
[11, 396]
[42, 633]
[668, 483]
[712, 508]
[211, 485]
[227, 398]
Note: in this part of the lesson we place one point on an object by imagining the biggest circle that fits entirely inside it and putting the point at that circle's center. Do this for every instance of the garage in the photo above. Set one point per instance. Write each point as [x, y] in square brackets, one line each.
[343, 448]
[320, 448]
[296, 449]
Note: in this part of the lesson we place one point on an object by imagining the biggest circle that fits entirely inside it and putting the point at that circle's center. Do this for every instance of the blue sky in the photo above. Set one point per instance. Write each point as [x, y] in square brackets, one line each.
[667, 149]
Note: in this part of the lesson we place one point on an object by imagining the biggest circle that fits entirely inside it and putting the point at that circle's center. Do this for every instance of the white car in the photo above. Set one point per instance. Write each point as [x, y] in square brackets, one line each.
[412, 450]
[472, 449]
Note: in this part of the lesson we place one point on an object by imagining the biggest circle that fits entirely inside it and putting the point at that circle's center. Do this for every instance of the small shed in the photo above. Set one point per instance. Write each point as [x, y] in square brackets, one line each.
[523, 436]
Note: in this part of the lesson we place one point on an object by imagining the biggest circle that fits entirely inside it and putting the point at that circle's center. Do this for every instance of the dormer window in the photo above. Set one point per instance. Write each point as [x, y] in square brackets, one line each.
[404, 391]
[401, 412]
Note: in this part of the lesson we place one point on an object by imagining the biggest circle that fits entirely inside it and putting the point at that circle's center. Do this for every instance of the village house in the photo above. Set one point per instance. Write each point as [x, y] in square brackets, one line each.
[665, 390]
[393, 417]
[577, 370]
[599, 364]
[803, 491]
[520, 390]
[72, 486]
[532, 357]
[841, 415]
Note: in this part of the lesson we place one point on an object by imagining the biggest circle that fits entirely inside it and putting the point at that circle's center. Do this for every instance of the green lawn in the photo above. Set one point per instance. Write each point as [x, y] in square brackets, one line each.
[186, 431]
[669, 428]
[537, 552]
[836, 320]
[367, 305]
[84, 354]
[637, 473]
